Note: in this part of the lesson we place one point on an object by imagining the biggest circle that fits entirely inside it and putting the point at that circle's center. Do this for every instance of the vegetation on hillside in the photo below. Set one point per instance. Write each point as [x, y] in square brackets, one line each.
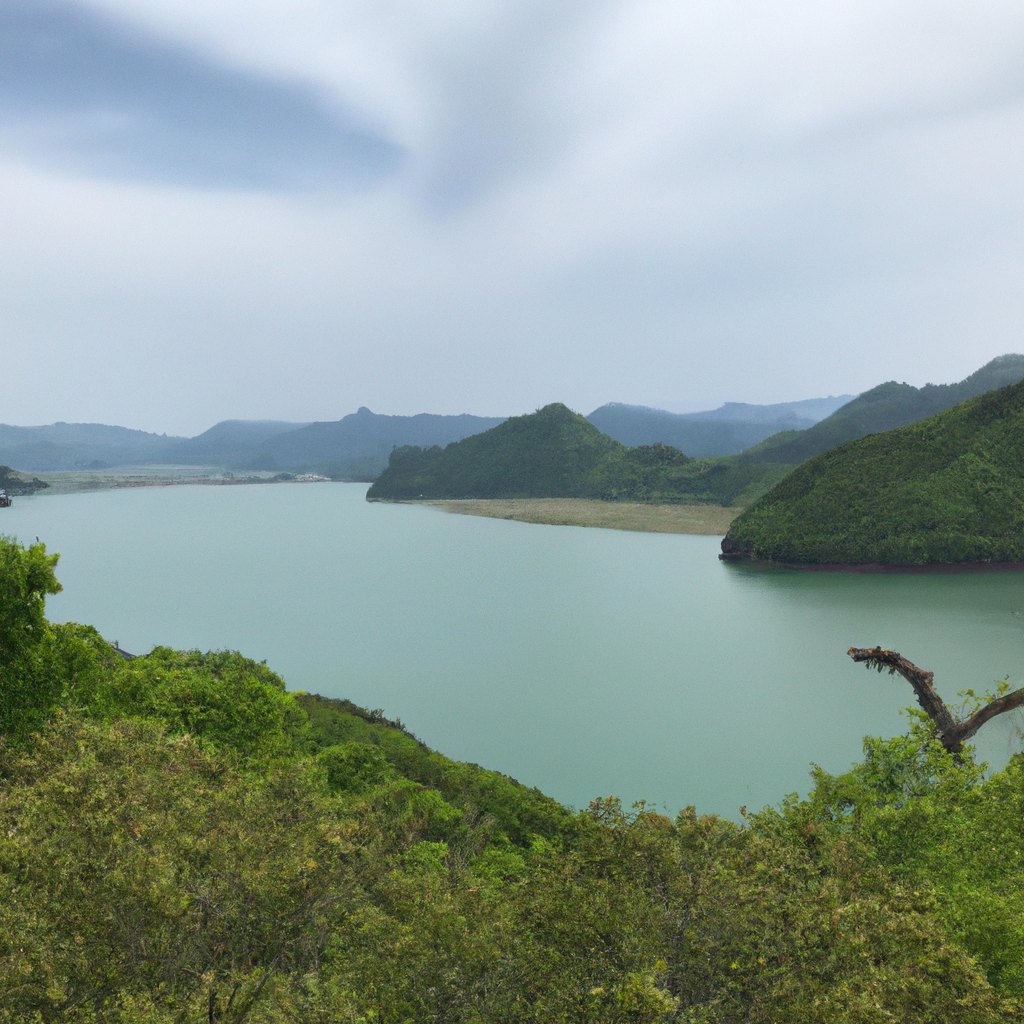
[183, 840]
[14, 483]
[884, 407]
[556, 453]
[946, 490]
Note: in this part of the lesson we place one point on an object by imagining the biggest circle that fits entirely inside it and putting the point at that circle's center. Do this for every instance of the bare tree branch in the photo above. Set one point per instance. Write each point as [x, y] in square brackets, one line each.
[952, 732]
[880, 659]
[969, 726]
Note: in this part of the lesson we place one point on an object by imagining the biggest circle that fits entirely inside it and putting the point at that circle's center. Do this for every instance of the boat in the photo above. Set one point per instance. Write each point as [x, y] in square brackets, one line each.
[5, 499]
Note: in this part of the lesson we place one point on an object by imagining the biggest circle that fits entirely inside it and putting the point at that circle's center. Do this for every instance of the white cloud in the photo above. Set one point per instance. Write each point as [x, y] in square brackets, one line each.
[615, 201]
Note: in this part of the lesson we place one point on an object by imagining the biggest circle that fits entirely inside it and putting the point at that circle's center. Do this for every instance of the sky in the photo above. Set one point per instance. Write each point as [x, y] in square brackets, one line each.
[287, 209]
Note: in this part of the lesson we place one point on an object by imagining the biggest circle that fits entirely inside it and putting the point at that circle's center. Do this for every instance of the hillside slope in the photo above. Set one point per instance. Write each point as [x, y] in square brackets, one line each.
[885, 407]
[62, 446]
[556, 453]
[227, 443]
[946, 490]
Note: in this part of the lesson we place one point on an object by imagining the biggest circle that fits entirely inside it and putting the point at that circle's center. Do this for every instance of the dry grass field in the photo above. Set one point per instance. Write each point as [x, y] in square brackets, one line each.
[711, 520]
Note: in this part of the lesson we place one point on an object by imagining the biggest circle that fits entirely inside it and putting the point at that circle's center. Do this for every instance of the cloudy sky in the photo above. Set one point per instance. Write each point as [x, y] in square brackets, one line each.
[286, 209]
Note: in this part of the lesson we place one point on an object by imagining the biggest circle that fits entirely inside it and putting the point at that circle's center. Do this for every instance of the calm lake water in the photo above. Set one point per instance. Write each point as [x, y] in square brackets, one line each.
[584, 662]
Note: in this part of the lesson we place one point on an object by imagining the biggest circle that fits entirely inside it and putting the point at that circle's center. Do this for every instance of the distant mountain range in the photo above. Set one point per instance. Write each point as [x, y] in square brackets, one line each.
[357, 446]
[728, 430]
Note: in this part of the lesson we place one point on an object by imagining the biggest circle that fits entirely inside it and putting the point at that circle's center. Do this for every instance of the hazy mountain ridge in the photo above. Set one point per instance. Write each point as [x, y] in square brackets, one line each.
[885, 407]
[727, 430]
[636, 425]
[811, 409]
[62, 446]
[358, 445]
[228, 442]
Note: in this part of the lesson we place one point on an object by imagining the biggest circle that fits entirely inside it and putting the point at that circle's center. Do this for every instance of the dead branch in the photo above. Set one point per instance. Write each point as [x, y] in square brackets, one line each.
[953, 732]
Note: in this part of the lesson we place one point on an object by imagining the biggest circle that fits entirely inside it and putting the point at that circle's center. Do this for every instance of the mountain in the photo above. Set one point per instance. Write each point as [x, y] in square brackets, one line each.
[359, 444]
[946, 490]
[227, 443]
[728, 430]
[552, 453]
[62, 446]
[809, 409]
[636, 425]
[885, 407]
[556, 453]
[356, 446]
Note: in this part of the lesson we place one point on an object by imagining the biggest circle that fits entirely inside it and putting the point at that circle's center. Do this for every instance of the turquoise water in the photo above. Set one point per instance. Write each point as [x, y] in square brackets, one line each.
[584, 662]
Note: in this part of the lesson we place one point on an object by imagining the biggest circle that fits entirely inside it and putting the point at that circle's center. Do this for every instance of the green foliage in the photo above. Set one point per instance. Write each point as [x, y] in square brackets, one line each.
[943, 833]
[355, 767]
[230, 702]
[554, 453]
[26, 578]
[943, 491]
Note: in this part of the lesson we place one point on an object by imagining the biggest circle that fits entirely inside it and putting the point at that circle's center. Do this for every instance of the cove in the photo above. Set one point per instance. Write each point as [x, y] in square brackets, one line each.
[584, 662]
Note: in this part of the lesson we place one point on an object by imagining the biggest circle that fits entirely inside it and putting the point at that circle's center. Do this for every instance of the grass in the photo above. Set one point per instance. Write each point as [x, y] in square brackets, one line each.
[706, 520]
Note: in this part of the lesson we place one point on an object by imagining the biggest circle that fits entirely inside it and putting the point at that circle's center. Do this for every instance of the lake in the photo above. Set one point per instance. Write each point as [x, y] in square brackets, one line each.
[584, 662]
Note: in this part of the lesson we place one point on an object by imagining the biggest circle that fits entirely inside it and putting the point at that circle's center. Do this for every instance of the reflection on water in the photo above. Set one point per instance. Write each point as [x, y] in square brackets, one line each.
[584, 662]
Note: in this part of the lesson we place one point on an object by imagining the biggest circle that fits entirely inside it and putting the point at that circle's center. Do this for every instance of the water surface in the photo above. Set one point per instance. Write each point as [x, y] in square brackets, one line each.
[585, 662]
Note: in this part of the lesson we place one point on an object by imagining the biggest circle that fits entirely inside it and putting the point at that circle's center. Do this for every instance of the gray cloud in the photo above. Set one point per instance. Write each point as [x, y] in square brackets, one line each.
[592, 201]
[85, 92]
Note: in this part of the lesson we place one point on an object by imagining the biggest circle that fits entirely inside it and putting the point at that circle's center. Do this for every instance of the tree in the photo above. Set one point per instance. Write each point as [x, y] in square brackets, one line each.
[26, 578]
[953, 732]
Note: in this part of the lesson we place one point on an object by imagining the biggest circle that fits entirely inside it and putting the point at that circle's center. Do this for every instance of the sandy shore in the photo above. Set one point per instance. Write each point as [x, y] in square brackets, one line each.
[710, 520]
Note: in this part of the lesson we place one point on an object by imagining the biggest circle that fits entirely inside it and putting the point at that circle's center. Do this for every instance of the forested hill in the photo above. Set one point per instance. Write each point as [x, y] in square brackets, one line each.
[884, 407]
[556, 453]
[552, 453]
[949, 489]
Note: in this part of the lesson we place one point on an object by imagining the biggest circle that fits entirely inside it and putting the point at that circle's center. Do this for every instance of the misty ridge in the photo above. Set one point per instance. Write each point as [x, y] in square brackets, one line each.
[358, 446]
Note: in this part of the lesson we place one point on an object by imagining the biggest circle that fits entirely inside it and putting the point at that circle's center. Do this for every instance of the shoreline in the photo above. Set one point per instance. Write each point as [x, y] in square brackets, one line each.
[82, 481]
[878, 567]
[695, 520]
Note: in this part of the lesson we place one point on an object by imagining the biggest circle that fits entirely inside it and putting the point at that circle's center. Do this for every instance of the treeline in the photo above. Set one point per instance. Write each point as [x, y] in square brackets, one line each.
[181, 839]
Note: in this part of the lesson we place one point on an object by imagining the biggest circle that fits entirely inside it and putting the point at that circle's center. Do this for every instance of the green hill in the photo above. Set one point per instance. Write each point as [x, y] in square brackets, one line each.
[946, 490]
[556, 453]
[884, 407]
